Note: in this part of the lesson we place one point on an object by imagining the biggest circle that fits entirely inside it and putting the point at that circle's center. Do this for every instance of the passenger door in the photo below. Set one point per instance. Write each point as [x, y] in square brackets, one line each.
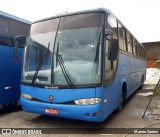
[111, 88]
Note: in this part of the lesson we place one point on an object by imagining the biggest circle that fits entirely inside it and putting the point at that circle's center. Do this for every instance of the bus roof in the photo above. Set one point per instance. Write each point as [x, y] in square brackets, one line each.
[74, 13]
[14, 17]
[105, 10]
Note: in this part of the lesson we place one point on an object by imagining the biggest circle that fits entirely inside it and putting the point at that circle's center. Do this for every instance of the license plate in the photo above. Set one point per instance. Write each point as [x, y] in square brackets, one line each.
[51, 111]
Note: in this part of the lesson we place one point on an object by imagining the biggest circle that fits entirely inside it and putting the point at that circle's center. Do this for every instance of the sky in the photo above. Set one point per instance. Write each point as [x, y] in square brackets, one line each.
[141, 17]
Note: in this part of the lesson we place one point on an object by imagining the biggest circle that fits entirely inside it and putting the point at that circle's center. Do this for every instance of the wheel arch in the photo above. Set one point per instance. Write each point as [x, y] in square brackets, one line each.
[124, 89]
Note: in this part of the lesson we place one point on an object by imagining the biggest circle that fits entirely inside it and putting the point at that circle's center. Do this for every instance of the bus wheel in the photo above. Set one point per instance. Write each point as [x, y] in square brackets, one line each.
[142, 81]
[121, 102]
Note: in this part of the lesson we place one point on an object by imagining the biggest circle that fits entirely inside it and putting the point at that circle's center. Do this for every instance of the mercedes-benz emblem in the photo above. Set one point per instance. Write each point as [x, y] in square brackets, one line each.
[51, 98]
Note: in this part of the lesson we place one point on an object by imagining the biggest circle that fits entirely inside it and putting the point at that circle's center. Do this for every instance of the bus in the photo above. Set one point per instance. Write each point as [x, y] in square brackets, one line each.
[10, 59]
[83, 65]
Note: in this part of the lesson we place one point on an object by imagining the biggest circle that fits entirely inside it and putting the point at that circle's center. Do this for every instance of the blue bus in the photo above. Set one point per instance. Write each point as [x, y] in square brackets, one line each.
[81, 65]
[10, 59]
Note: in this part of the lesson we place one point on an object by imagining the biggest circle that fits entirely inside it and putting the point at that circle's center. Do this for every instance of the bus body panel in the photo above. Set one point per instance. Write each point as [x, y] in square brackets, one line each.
[132, 70]
[66, 111]
[10, 75]
[60, 95]
[10, 66]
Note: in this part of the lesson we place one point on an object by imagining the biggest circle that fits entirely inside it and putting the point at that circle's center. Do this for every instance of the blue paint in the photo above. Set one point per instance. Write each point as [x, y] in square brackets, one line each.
[10, 75]
[10, 67]
[129, 73]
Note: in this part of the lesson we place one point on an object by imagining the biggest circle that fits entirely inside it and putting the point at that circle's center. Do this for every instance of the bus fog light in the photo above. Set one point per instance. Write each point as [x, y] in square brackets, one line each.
[89, 114]
[88, 101]
[96, 113]
[26, 96]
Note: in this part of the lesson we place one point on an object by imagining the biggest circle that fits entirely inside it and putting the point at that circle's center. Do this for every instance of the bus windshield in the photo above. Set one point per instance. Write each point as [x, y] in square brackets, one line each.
[76, 39]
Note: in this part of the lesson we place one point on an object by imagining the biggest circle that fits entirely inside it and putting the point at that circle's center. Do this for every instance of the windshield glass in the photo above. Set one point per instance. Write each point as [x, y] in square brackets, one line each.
[77, 39]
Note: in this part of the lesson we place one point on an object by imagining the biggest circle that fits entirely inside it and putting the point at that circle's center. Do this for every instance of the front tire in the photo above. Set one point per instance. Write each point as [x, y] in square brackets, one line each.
[121, 102]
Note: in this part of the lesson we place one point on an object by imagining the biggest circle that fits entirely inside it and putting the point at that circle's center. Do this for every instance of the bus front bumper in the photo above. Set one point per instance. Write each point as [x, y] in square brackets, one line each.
[91, 113]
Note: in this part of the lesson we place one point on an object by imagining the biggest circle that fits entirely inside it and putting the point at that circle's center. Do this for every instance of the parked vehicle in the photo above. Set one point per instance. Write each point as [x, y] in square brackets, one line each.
[81, 65]
[10, 58]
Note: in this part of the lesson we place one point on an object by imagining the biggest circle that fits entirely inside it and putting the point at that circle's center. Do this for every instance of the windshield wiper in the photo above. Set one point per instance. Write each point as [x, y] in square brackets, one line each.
[63, 68]
[40, 65]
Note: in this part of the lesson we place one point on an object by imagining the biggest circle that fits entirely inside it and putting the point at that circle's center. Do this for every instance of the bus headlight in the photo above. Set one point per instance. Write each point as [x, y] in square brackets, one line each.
[26, 96]
[88, 101]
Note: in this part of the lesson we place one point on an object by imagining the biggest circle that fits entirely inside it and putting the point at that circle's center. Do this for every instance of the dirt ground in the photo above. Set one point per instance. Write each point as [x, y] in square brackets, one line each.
[129, 117]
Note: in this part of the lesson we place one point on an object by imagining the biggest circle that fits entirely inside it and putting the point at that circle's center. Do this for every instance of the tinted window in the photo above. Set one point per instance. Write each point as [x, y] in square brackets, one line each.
[138, 49]
[6, 41]
[110, 66]
[18, 28]
[143, 53]
[81, 21]
[76, 40]
[134, 46]
[76, 33]
[129, 42]
[112, 25]
[40, 27]
[4, 25]
[122, 43]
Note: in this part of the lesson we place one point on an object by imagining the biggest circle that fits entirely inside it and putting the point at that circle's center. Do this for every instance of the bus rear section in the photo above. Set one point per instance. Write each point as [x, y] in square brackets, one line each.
[10, 62]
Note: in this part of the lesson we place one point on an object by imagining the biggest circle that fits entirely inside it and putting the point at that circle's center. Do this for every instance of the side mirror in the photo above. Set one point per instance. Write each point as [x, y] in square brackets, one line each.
[113, 45]
[108, 34]
[18, 41]
[113, 49]
[20, 38]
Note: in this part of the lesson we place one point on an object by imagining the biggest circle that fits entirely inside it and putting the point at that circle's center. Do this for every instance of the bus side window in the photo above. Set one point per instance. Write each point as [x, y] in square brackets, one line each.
[122, 44]
[129, 42]
[110, 66]
[34, 57]
[4, 26]
[5, 41]
[18, 28]
[134, 46]
[143, 53]
[138, 49]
